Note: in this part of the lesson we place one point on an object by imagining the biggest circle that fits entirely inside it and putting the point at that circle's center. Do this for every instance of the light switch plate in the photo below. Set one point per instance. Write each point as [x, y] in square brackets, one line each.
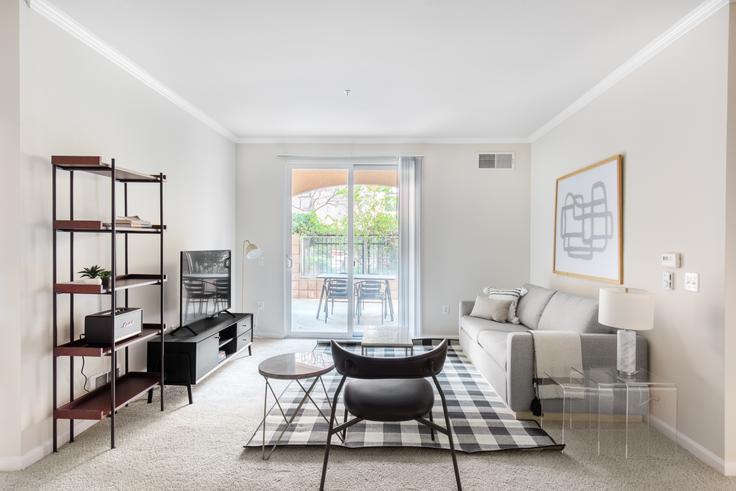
[670, 259]
[692, 282]
[668, 280]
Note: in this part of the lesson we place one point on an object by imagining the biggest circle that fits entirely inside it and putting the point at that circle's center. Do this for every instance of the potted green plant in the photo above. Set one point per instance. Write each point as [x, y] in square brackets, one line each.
[97, 272]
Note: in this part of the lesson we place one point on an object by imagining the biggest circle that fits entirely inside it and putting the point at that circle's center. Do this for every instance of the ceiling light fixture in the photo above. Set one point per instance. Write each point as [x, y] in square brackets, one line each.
[347, 92]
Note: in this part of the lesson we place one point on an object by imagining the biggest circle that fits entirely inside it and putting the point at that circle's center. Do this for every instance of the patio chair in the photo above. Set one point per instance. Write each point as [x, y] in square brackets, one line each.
[335, 289]
[389, 390]
[372, 291]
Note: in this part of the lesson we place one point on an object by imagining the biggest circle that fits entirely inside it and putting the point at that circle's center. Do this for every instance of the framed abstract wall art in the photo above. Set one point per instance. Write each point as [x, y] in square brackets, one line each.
[588, 240]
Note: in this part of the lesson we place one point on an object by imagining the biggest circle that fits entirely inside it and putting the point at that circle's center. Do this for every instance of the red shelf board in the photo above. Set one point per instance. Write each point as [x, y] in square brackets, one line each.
[95, 165]
[81, 348]
[125, 282]
[96, 404]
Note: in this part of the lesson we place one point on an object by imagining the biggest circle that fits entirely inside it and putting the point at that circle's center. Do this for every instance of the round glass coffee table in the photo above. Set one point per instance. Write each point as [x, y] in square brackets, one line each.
[294, 367]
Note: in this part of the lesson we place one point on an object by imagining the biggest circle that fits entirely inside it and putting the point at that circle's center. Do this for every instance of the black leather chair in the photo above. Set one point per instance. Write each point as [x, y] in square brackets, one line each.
[389, 389]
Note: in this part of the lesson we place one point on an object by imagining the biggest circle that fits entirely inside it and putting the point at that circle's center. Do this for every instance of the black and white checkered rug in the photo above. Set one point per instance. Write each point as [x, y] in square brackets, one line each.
[480, 419]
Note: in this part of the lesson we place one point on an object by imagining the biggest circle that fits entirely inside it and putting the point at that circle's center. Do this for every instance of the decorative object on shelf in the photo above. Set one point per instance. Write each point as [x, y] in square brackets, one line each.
[250, 252]
[628, 310]
[124, 385]
[589, 222]
[99, 327]
[95, 272]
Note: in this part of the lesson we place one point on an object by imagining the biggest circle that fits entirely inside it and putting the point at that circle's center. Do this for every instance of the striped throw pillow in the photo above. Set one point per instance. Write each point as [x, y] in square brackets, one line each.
[513, 294]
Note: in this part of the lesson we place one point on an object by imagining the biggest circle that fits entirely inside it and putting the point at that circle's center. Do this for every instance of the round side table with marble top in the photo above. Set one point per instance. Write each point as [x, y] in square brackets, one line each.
[294, 367]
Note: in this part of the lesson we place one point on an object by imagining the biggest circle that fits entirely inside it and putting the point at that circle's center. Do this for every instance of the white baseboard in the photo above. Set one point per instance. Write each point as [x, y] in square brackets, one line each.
[268, 335]
[695, 448]
[18, 463]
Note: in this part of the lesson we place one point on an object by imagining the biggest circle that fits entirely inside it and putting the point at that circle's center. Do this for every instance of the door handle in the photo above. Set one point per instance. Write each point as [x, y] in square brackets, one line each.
[289, 261]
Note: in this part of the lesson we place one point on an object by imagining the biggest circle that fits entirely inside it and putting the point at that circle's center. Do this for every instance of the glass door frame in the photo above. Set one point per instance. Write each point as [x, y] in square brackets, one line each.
[348, 164]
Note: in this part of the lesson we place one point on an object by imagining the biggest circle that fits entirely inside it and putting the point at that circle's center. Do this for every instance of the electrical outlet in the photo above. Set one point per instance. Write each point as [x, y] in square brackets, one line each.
[445, 309]
[668, 280]
[692, 282]
[261, 306]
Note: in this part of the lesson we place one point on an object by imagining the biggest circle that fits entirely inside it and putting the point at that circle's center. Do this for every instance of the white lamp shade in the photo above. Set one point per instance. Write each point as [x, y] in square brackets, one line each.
[626, 308]
[252, 251]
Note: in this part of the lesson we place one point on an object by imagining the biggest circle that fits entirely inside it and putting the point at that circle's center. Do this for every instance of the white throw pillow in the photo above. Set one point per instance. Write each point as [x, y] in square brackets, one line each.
[500, 308]
[483, 308]
[512, 294]
[493, 308]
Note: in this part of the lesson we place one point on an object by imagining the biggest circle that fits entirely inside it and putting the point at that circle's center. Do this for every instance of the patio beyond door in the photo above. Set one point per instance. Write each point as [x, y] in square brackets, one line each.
[343, 251]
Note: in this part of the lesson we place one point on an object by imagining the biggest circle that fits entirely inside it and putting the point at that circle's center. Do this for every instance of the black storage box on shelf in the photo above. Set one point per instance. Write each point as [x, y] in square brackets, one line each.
[128, 323]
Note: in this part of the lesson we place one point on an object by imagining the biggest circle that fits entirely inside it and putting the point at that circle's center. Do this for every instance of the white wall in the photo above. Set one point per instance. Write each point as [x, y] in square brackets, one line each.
[73, 101]
[475, 223]
[729, 381]
[10, 271]
[668, 118]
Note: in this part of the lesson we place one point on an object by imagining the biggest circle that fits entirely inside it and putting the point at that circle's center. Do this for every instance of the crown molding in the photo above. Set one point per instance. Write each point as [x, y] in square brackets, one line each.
[383, 141]
[66, 23]
[685, 25]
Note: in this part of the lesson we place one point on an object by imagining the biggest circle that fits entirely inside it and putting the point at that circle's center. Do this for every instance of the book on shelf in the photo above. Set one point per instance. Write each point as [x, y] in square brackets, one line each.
[130, 222]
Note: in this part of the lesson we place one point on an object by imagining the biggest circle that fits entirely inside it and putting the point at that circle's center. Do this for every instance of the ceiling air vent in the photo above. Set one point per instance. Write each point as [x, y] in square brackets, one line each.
[497, 160]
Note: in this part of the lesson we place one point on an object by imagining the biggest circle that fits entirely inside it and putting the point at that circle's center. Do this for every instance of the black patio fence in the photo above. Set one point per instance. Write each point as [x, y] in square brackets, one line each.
[326, 254]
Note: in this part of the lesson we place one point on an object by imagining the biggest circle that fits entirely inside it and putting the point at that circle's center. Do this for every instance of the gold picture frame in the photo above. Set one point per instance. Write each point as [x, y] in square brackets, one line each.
[588, 226]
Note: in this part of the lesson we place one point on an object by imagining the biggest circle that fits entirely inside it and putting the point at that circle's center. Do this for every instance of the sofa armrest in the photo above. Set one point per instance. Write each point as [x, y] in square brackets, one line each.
[466, 307]
[519, 367]
[599, 350]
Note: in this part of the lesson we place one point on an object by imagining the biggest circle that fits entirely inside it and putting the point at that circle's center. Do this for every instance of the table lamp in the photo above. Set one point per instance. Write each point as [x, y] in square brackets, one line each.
[628, 310]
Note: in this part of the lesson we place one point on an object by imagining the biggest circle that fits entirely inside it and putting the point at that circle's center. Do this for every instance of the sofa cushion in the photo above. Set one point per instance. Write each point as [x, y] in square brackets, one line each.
[473, 326]
[493, 342]
[567, 312]
[532, 304]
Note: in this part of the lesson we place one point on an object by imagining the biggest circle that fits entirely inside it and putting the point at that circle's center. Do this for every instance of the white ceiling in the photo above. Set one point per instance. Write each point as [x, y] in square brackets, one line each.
[416, 68]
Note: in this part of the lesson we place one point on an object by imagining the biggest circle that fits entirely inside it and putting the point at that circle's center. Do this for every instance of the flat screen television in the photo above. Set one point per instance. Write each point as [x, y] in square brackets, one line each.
[205, 288]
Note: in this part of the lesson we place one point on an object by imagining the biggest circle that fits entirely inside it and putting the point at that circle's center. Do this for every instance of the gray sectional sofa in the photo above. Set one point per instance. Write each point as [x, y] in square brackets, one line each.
[503, 352]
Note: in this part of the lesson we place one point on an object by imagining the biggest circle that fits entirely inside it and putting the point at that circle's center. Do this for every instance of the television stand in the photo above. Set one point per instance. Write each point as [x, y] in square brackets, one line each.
[193, 354]
[187, 328]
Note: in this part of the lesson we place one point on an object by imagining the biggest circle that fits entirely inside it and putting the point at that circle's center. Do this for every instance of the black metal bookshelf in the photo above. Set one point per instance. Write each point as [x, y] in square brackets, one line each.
[106, 400]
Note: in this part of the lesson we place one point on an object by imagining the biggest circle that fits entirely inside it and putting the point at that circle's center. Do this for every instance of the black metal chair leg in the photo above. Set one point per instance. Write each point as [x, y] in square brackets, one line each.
[329, 433]
[431, 420]
[150, 396]
[449, 432]
[345, 420]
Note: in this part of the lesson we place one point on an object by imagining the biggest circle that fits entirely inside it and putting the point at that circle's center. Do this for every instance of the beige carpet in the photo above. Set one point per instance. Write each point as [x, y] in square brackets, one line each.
[200, 447]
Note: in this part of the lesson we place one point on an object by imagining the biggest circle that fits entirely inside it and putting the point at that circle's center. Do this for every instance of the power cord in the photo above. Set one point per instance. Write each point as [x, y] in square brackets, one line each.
[86, 379]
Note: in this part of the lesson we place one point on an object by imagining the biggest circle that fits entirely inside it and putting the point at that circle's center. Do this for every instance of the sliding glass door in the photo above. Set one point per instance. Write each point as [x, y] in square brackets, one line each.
[342, 249]
[376, 246]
